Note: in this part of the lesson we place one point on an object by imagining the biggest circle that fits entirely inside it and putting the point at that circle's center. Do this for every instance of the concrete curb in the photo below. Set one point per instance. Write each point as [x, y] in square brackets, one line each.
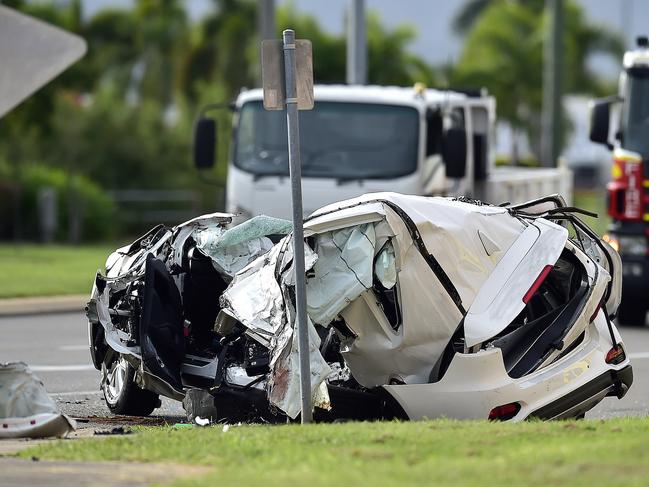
[42, 305]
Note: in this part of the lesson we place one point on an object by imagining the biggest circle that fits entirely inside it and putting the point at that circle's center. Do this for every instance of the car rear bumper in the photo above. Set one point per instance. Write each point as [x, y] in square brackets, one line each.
[476, 383]
[611, 383]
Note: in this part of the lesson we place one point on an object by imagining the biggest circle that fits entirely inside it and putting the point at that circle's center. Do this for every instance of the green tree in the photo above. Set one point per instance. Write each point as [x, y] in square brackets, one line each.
[113, 49]
[162, 41]
[223, 49]
[503, 52]
[389, 62]
[470, 12]
[118, 145]
[328, 49]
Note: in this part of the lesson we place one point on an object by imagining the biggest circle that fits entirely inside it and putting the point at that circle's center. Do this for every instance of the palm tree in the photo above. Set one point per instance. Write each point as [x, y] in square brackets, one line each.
[471, 11]
[223, 49]
[503, 52]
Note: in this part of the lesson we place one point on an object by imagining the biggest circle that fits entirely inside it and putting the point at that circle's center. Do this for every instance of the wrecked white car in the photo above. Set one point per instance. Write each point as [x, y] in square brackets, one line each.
[418, 307]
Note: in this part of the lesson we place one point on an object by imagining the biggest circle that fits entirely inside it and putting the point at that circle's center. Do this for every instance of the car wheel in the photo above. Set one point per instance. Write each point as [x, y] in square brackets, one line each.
[632, 314]
[122, 394]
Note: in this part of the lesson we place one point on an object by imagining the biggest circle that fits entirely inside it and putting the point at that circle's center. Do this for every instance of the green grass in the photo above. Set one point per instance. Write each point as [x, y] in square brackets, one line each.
[595, 201]
[439, 452]
[47, 270]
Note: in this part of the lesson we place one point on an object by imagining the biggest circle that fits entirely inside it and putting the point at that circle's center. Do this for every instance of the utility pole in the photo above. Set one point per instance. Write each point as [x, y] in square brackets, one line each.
[265, 24]
[552, 126]
[626, 21]
[356, 44]
[266, 19]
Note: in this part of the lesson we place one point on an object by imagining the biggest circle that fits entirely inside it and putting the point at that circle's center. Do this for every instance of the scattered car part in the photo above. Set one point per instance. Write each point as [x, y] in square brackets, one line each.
[26, 411]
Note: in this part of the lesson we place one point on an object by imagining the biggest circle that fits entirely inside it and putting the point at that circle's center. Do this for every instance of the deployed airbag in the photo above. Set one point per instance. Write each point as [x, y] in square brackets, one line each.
[343, 271]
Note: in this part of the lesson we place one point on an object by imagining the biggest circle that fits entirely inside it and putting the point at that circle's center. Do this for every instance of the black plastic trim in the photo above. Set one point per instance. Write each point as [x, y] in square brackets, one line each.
[614, 382]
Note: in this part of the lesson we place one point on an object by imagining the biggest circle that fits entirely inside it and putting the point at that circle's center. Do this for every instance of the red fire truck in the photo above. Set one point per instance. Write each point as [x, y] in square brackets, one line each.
[628, 190]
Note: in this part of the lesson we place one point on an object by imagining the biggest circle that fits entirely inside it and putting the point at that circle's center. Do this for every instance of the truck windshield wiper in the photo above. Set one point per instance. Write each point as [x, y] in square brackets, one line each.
[347, 180]
[259, 176]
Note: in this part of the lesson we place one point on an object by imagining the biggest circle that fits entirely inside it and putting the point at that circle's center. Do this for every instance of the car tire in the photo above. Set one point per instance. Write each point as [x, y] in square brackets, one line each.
[122, 395]
[632, 314]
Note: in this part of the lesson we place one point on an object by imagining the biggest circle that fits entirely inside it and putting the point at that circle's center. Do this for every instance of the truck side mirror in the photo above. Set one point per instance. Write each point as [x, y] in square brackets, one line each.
[204, 149]
[600, 113]
[434, 131]
[454, 152]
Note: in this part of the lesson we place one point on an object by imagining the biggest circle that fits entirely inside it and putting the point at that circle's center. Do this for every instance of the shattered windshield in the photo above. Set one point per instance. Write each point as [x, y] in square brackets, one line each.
[338, 140]
[635, 115]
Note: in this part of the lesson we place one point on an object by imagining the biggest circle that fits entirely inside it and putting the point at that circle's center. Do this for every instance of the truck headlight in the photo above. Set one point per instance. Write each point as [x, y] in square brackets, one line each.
[628, 245]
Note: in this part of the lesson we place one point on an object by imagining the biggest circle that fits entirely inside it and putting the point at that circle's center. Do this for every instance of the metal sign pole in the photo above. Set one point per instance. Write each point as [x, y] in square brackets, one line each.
[295, 166]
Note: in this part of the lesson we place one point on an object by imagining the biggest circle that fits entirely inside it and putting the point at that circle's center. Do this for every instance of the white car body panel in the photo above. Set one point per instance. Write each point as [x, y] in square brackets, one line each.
[476, 383]
[500, 299]
[347, 217]
[429, 316]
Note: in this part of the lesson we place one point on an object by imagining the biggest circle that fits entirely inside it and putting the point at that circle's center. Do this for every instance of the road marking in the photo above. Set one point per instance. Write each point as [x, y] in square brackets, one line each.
[61, 368]
[70, 348]
[639, 355]
[74, 393]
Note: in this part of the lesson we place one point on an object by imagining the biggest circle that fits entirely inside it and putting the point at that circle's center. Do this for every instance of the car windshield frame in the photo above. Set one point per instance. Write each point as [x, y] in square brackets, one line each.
[389, 150]
[635, 116]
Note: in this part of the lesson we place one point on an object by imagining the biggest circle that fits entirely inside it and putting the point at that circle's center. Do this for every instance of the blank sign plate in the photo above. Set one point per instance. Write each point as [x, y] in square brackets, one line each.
[272, 74]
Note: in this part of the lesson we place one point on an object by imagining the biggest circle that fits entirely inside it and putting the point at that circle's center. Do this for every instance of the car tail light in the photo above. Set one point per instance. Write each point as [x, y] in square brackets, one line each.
[504, 412]
[539, 280]
[615, 355]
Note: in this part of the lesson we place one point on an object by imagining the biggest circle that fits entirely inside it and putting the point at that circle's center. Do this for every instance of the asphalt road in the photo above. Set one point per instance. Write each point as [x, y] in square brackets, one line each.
[56, 348]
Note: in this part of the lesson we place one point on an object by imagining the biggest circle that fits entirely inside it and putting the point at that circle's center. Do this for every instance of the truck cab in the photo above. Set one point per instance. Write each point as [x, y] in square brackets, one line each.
[628, 190]
[357, 139]
[362, 139]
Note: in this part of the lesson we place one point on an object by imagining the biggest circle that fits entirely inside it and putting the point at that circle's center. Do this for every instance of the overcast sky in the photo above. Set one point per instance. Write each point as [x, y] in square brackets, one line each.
[432, 18]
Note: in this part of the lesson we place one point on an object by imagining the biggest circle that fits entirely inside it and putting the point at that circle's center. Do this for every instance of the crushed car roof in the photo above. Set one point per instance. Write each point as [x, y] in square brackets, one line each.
[466, 239]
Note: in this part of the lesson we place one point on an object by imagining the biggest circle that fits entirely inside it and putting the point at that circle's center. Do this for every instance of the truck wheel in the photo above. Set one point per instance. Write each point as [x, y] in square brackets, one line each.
[122, 394]
[632, 314]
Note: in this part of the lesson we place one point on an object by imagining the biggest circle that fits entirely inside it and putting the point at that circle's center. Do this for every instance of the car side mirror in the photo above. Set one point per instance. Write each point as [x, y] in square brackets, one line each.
[454, 152]
[204, 149]
[600, 114]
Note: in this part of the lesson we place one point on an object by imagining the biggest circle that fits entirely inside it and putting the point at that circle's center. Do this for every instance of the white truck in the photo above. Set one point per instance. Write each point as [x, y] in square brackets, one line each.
[362, 139]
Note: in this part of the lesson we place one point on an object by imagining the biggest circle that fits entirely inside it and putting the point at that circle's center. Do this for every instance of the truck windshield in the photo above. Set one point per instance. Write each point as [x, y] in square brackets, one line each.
[338, 140]
[635, 114]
